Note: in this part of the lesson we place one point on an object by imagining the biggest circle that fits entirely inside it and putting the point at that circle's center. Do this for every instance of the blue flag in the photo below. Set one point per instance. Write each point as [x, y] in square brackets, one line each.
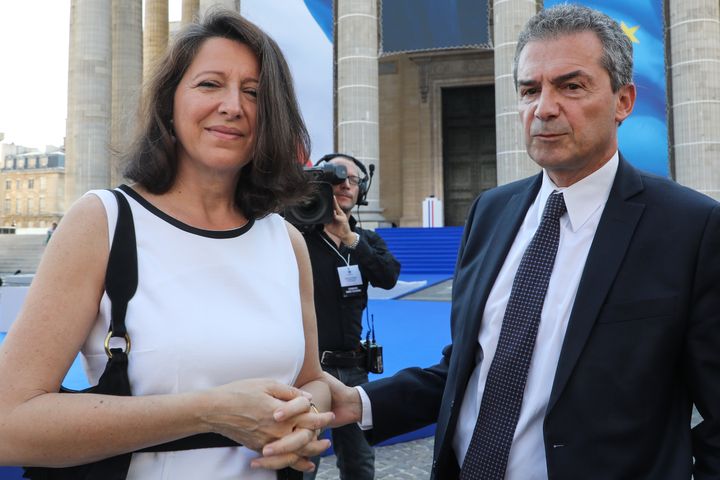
[643, 136]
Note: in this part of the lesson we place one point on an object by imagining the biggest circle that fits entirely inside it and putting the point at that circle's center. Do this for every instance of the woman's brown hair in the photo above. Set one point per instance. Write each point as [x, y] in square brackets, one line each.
[273, 178]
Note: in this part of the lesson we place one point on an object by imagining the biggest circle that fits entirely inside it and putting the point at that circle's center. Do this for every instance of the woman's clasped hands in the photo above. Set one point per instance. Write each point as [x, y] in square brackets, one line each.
[272, 418]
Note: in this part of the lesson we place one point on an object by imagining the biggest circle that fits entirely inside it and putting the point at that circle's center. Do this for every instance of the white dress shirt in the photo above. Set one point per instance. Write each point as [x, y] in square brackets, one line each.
[585, 201]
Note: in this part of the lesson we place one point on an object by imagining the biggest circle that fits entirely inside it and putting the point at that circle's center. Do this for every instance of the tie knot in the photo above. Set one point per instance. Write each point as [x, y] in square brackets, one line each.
[555, 206]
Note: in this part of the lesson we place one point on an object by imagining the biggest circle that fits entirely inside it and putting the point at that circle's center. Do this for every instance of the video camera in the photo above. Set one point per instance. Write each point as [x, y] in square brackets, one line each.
[318, 210]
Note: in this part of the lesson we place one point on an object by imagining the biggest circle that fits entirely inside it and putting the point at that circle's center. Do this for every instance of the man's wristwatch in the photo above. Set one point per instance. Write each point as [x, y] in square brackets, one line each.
[355, 242]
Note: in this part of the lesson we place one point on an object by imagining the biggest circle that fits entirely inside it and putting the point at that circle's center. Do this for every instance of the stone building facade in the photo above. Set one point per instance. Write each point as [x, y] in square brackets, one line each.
[439, 137]
[426, 98]
[32, 189]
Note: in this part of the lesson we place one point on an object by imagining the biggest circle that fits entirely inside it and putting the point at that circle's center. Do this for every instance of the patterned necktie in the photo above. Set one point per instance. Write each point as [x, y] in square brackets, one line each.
[487, 455]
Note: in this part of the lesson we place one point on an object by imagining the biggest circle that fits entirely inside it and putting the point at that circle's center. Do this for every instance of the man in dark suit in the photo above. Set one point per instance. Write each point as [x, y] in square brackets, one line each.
[583, 328]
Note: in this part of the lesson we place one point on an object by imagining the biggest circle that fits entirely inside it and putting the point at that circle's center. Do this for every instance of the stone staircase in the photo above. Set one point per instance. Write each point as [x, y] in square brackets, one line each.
[20, 252]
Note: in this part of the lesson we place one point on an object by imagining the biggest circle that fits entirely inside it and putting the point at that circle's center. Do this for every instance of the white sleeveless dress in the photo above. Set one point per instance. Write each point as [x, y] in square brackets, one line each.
[211, 307]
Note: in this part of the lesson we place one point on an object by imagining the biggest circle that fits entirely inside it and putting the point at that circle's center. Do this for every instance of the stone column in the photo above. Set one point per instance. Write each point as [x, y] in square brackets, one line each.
[695, 71]
[357, 91]
[513, 162]
[87, 157]
[156, 33]
[127, 69]
[190, 9]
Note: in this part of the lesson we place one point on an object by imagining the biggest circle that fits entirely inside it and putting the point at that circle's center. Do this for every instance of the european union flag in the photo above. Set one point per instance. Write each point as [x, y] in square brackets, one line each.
[321, 10]
[643, 136]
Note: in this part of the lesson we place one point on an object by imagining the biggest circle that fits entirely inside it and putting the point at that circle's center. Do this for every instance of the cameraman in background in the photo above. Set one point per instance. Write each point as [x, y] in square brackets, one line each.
[345, 258]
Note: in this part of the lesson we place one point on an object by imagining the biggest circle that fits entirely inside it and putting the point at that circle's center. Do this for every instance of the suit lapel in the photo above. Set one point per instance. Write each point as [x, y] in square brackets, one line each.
[611, 241]
[508, 224]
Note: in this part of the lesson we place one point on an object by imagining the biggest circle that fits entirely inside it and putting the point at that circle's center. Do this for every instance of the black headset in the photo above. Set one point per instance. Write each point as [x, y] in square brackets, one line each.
[364, 185]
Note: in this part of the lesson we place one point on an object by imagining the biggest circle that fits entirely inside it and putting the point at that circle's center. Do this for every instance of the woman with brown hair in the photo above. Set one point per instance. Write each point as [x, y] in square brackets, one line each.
[222, 323]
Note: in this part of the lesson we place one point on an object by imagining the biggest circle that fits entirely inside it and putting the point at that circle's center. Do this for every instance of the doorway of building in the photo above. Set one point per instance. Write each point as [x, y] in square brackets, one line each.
[469, 157]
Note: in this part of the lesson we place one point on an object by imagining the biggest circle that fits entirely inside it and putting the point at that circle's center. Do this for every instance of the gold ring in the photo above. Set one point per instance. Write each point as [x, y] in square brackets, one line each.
[107, 344]
[317, 412]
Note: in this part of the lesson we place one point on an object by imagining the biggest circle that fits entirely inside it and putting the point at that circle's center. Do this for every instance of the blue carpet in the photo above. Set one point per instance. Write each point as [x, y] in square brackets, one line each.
[412, 333]
[10, 473]
[76, 380]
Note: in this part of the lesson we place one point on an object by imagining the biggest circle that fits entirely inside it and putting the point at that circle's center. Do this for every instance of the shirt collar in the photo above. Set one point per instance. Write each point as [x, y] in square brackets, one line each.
[583, 198]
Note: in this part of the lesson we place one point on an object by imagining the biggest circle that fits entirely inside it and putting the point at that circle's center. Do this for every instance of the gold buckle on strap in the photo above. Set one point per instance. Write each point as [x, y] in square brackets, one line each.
[107, 344]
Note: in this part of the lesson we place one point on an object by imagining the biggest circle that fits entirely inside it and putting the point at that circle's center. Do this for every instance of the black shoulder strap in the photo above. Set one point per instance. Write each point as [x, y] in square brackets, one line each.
[121, 277]
[121, 280]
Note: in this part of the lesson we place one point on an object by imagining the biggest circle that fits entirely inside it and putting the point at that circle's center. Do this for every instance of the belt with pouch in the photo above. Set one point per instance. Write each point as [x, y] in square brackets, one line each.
[336, 358]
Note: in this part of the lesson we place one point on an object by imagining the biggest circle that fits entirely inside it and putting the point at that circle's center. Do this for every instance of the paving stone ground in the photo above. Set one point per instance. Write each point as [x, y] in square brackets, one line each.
[406, 461]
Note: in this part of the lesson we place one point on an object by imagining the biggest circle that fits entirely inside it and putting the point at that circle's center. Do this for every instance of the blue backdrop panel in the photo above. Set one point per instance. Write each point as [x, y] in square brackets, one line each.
[428, 24]
[643, 136]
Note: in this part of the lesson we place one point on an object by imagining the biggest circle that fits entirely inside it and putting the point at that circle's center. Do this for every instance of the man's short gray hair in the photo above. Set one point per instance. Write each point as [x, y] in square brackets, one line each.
[568, 19]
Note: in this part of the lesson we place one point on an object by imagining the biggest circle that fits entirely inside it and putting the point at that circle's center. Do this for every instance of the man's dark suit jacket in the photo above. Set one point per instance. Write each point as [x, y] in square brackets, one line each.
[642, 343]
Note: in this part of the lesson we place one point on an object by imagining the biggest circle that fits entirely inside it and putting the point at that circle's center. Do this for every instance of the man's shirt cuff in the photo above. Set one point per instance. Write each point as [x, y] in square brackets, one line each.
[365, 422]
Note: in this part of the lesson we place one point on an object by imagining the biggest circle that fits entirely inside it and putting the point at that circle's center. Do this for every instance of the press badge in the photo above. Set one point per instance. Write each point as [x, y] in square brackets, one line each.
[350, 280]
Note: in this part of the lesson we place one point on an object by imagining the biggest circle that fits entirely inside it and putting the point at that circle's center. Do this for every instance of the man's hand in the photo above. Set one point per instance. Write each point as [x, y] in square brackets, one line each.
[340, 226]
[346, 402]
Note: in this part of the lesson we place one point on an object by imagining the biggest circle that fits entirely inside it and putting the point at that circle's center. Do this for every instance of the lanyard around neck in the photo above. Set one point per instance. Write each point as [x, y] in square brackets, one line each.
[347, 262]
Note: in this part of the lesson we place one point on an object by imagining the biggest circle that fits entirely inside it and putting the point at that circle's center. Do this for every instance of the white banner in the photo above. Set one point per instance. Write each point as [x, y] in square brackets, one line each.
[301, 30]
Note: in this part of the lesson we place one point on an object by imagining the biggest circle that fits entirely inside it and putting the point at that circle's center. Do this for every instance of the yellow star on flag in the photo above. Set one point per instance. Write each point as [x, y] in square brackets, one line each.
[630, 32]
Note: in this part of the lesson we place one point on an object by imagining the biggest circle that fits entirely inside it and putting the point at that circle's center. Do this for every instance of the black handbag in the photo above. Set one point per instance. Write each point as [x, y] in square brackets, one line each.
[121, 280]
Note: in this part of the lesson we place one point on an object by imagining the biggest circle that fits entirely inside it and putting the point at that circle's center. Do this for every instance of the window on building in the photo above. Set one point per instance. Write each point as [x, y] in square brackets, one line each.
[32, 162]
[43, 183]
[20, 163]
[43, 161]
[8, 205]
[41, 205]
[8, 184]
[17, 184]
[9, 163]
[18, 207]
[31, 183]
[30, 206]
